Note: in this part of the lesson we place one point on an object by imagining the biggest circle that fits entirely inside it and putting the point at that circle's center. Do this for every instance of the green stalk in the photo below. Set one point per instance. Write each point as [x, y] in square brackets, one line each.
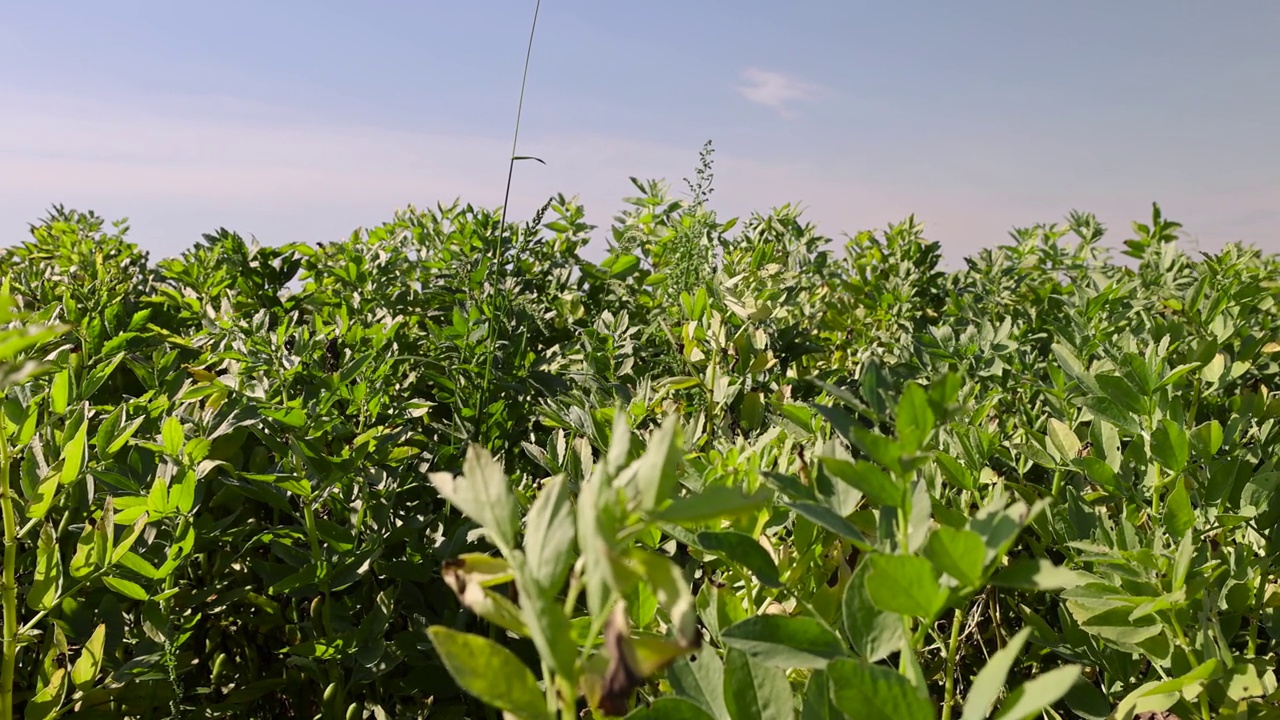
[952, 647]
[10, 600]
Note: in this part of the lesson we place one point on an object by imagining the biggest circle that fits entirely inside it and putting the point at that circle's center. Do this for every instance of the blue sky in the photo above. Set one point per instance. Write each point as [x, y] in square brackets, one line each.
[301, 121]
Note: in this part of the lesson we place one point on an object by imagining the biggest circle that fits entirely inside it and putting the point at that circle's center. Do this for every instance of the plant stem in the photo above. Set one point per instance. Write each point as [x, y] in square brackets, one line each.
[10, 601]
[952, 647]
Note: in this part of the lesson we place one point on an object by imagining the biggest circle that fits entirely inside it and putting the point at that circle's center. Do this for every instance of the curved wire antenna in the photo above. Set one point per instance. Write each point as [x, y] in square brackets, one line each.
[492, 339]
[524, 81]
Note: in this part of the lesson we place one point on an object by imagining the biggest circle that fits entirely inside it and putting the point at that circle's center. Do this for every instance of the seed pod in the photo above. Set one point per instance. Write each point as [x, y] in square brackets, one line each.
[219, 667]
[315, 607]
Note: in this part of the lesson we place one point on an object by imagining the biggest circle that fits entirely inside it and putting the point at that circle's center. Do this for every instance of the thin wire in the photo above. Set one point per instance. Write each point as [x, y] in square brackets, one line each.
[502, 224]
[511, 165]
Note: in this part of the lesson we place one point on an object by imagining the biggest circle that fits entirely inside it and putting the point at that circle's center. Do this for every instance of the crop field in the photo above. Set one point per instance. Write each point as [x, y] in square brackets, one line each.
[449, 468]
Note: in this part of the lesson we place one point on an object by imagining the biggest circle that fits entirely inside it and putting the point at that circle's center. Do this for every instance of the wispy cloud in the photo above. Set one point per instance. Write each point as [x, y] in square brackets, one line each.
[776, 90]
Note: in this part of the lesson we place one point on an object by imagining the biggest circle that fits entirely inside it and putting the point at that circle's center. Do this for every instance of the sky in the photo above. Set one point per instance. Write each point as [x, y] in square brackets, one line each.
[302, 121]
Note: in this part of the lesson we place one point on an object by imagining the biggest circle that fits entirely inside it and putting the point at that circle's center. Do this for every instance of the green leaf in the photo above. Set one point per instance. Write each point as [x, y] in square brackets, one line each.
[127, 588]
[990, 680]
[785, 641]
[956, 473]
[1063, 439]
[670, 708]
[914, 417]
[1068, 361]
[74, 451]
[753, 691]
[828, 519]
[873, 482]
[873, 692]
[874, 633]
[60, 392]
[740, 548]
[172, 435]
[905, 584]
[89, 663]
[550, 536]
[702, 681]
[483, 494]
[489, 672]
[1169, 445]
[1179, 517]
[959, 553]
[817, 703]
[129, 538]
[47, 581]
[1105, 408]
[1206, 439]
[183, 495]
[656, 468]
[1034, 696]
[47, 701]
[84, 561]
[713, 503]
[672, 590]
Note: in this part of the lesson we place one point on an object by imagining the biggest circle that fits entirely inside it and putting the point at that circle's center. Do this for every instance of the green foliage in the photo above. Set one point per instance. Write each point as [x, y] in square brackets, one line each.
[446, 468]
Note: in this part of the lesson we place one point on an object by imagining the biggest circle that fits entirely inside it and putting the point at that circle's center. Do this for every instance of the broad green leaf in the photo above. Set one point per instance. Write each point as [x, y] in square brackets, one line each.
[60, 392]
[182, 497]
[1179, 517]
[128, 539]
[490, 672]
[1038, 574]
[547, 622]
[873, 482]
[46, 583]
[905, 584]
[656, 468]
[127, 588]
[1182, 560]
[740, 548]
[672, 590]
[701, 680]
[74, 451]
[914, 419]
[158, 498]
[550, 536]
[713, 503]
[990, 680]
[483, 494]
[1068, 361]
[956, 473]
[172, 434]
[1206, 439]
[1031, 698]
[753, 691]
[48, 699]
[87, 666]
[959, 553]
[1107, 409]
[1169, 445]
[85, 559]
[1064, 440]
[874, 633]
[874, 692]
[785, 641]
[817, 702]
[828, 519]
[669, 708]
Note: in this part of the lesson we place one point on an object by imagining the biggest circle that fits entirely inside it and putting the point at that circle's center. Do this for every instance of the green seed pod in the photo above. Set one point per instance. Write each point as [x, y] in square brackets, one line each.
[330, 692]
[219, 667]
[353, 711]
[315, 608]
